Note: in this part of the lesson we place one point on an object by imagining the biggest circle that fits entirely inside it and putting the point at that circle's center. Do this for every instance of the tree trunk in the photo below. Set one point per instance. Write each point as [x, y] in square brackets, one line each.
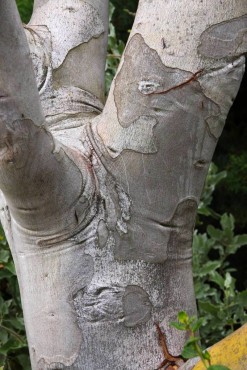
[99, 208]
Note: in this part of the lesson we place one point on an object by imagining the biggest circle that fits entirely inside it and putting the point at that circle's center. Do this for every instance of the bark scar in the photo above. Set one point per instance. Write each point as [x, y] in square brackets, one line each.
[170, 362]
[192, 78]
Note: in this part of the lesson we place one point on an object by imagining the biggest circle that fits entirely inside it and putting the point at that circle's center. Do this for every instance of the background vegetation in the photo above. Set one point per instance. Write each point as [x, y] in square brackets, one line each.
[219, 247]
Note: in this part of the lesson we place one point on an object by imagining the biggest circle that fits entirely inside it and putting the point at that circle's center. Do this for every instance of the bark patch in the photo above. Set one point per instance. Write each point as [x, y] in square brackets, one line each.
[142, 77]
[89, 25]
[100, 303]
[226, 39]
[136, 305]
[182, 225]
[14, 141]
[58, 104]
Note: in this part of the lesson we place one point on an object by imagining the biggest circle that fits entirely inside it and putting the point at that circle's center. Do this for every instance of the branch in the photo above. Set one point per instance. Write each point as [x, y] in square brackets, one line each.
[17, 77]
[163, 117]
[78, 32]
[40, 178]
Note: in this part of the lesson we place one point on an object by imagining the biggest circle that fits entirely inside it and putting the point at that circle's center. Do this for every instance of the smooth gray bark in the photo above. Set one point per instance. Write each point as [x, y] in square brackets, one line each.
[99, 208]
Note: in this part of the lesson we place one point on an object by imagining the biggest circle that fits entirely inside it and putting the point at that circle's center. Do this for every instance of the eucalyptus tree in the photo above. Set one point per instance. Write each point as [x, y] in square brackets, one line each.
[98, 202]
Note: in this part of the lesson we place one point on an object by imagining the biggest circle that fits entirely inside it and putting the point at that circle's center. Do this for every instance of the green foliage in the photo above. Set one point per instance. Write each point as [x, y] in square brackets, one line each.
[114, 52]
[231, 195]
[192, 347]
[123, 17]
[220, 304]
[25, 8]
[213, 178]
[237, 173]
[13, 344]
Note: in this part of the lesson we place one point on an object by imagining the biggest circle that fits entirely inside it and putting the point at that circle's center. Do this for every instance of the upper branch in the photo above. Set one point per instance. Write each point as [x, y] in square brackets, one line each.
[17, 76]
[180, 72]
[78, 33]
[42, 180]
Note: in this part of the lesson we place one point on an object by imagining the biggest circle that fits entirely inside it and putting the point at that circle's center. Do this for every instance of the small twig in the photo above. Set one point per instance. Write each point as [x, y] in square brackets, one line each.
[13, 333]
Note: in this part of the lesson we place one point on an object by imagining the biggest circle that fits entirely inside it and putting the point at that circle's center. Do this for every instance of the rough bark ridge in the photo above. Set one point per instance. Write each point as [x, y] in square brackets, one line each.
[99, 206]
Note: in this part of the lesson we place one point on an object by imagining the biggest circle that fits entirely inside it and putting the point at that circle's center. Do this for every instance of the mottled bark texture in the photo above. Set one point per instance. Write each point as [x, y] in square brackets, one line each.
[99, 205]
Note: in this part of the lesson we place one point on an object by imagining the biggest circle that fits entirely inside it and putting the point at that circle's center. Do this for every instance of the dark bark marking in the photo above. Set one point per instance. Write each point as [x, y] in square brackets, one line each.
[103, 233]
[169, 359]
[182, 226]
[163, 43]
[192, 78]
[136, 306]
[224, 40]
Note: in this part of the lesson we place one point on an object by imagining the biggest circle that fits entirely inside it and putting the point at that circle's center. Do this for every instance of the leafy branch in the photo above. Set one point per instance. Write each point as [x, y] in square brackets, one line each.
[192, 347]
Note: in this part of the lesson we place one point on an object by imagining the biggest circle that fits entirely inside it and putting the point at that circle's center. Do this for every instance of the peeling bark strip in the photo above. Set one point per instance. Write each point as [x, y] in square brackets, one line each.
[99, 212]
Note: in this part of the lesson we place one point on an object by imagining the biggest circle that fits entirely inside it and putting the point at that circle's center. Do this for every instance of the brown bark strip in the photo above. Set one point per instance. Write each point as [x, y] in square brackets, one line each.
[171, 362]
[192, 78]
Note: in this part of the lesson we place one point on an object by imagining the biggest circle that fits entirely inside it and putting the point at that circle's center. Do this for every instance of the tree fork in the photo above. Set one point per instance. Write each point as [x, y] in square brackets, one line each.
[99, 206]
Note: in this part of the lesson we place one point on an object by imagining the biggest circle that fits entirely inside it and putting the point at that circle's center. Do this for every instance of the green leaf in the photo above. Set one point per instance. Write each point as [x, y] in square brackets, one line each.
[206, 355]
[10, 267]
[209, 267]
[189, 351]
[217, 278]
[214, 233]
[11, 345]
[4, 306]
[241, 298]
[178, 325]
[229, 281]
[227, 223]
[196, 326]
[240, 240]
[4, 256]
[209, 307]
[183, 317]
[192, 340]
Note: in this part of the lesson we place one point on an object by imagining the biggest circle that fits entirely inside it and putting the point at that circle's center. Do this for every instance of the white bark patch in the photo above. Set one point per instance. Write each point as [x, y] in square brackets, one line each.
[226, 39]
[100, 303]
[48, 302]
[72, 12]
[148, 87]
